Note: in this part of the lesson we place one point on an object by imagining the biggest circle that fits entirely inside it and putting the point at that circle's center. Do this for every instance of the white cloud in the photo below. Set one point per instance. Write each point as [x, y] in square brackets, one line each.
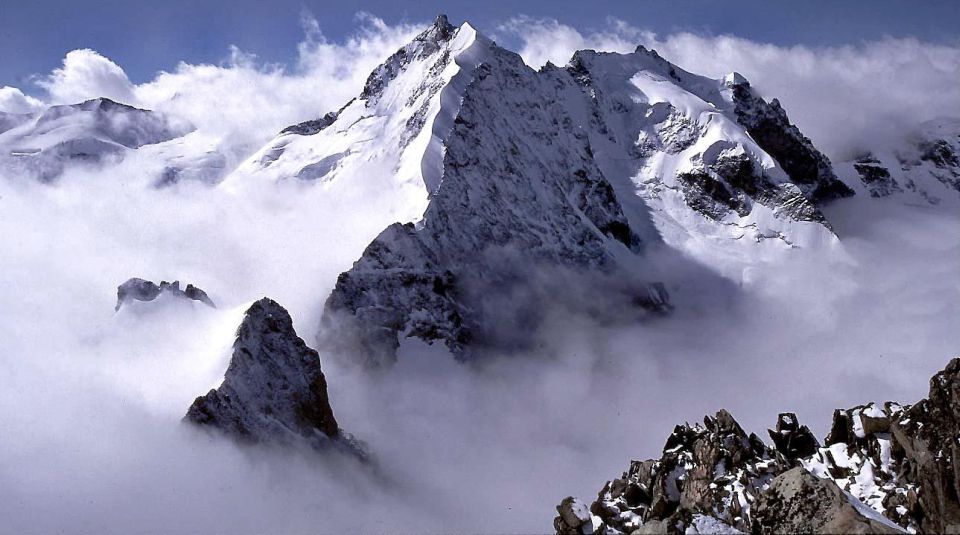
[86, 74]
[12, 100]
[249, 102]
[845, 98]
[241, 100]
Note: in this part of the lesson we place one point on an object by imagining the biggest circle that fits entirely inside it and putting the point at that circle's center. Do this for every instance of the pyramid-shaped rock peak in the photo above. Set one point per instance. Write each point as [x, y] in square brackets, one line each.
[274, 390]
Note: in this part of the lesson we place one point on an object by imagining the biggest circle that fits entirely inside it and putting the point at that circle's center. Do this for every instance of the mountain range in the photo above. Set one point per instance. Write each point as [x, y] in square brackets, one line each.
[505, 192]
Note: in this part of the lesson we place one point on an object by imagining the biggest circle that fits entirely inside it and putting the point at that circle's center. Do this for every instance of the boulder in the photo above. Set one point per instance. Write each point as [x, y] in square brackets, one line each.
[799, 502]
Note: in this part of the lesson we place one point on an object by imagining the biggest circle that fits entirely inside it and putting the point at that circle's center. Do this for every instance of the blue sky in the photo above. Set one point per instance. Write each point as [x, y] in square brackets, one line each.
[144, 37]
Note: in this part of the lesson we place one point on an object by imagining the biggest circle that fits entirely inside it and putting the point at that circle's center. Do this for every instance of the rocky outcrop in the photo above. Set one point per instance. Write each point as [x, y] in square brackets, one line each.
[311, 127]
[714, 469]
[769, 125]
[875, 177]
[274, 391]
[885, 469]
[792, 440]
[939, 148]
[574, 518]
[799, 502]
[143, 290]
[924, 168]
[929, 435]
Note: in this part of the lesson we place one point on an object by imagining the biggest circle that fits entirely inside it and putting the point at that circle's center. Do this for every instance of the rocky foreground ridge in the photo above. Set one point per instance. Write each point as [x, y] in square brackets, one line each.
[888, 469]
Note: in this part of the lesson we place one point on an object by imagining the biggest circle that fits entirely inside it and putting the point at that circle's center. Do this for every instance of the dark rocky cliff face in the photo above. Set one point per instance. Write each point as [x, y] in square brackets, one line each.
[880, 470]
[771, 128]
[274, 390]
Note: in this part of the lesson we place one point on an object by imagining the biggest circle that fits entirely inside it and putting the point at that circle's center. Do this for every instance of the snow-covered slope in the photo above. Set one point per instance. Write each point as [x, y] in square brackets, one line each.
[927, 169]
[490, 168]
[389, 141]
[94, 132]
[100, 133]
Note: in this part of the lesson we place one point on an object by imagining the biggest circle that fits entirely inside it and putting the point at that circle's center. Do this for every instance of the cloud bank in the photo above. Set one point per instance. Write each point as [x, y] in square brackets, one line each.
[92, 400]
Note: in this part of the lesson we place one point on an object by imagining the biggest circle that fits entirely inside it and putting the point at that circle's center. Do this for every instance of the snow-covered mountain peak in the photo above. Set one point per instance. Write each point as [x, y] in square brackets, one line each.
[474, 161]
[442, 37]
[388, 142]
[95, 131]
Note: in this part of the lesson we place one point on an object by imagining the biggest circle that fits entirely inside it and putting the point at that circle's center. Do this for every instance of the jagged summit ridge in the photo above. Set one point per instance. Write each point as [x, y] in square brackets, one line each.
[424, 44]
[889, 469]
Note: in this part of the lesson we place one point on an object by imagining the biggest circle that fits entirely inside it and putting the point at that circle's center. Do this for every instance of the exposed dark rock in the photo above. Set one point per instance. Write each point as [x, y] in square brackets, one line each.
[397, 284]
[143, 290]
[876, 177]
[573, 518]
[792, 440]
[709, 470]
[274, 390]
[311, 127]
[883, 470]
[929, 434]
[709, 196]
[770, 127]
[940, 153]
